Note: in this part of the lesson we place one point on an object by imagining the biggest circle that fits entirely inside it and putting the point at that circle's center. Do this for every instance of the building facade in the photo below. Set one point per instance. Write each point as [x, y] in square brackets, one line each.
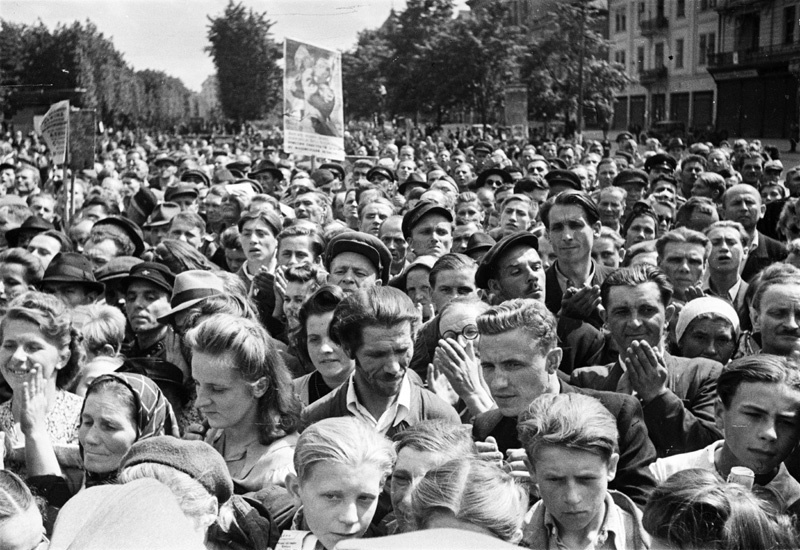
[665, 46]
[728, 65]
[756, 67]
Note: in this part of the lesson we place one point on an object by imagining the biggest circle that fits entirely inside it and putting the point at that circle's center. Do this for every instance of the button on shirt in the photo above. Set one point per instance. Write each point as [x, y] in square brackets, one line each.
[392, 416]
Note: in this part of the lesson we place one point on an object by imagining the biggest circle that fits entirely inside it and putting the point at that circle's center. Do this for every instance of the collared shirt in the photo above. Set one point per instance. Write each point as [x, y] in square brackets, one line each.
[754, 242]
[565, 282]
[732, 291]
[611, 535]
[392, 416]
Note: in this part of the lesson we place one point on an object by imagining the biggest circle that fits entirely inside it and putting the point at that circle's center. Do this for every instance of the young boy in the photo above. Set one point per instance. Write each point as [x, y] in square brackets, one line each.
[570, 442]
[341, 466]
[302, 280]
[758, 410]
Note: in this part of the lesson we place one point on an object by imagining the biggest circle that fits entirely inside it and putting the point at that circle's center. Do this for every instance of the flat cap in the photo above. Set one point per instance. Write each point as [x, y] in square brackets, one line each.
[488, 265]
[563, 177]
[367, 245]
[631, 175]
[420, 210]
[482, 146]
[381, 170]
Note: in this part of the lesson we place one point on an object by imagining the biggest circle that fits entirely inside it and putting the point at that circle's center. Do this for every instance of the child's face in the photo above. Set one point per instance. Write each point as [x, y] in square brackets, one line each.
[339, 501]
[761, 425]
[771, 193]
[572, 484]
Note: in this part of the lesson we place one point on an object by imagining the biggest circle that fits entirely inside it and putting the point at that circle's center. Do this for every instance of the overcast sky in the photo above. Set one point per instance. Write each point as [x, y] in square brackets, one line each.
[170, 35]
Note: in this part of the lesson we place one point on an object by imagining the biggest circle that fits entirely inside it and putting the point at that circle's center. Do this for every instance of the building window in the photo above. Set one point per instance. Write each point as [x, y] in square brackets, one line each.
[790, 22]
[707, 4]
[707, 47]
[640, 58]
[679, 53]
[621, 21]
[659, 56]
[681, 8]
[619, 57]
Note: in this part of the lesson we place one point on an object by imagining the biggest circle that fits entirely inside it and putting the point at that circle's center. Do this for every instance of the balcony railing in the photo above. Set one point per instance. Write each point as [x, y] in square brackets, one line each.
[652, 26]
[732, 5]
[651, 76]
[755, 56]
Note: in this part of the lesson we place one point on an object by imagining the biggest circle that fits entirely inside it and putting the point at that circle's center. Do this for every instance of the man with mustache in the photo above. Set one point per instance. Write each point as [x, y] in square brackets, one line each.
[676, 394]
[376, 328]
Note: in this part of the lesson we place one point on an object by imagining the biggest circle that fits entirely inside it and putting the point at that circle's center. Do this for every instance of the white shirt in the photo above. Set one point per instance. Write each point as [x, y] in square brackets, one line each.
[392, 416]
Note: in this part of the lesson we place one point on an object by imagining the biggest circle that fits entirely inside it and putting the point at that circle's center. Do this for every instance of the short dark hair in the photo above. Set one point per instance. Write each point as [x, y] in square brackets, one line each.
[635, 276]
[451, 262]
[531, 183]
[694, 158]
[763, 367]
[568, 198]
[324, 300]
[380, 306]
[641, 209]
[317, 242]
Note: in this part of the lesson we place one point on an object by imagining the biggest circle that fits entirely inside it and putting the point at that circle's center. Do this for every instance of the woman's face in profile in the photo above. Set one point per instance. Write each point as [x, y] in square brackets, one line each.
[23, 531]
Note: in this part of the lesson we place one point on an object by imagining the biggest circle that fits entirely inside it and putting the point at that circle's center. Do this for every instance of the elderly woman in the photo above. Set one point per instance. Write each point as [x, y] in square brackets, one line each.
[245, 393]
[707, 327]
[118, 410]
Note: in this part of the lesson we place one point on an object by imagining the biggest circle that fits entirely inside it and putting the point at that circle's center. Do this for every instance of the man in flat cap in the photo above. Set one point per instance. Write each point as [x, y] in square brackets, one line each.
[167, 168]
[428, 228]
[356, 261]
[634, 182]
[562, 180]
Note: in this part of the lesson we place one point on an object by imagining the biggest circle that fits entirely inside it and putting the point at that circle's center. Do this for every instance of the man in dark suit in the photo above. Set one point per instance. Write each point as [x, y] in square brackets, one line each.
[520, 358]
[729, 247]
[742, 203]
[677, 394]
[573, 281]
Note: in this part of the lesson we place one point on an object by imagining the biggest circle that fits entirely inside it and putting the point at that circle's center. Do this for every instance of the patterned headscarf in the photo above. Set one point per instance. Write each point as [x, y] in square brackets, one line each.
[154, 414]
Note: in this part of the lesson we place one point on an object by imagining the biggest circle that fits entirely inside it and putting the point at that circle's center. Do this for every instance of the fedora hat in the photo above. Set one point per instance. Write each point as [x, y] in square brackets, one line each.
[192, 287]
[33, 225]
[71, 267]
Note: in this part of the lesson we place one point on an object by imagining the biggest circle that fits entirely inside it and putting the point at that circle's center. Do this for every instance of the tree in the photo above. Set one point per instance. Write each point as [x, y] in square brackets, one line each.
[551, 67]
[246, 56]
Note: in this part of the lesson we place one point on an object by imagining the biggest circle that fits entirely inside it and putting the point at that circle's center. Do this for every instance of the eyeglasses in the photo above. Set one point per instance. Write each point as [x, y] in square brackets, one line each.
[469, 332]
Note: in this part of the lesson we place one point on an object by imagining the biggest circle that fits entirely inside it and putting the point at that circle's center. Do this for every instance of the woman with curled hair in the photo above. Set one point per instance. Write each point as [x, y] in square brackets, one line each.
[38, 346]
[245, 393]
[472, 495]
[694, 509]
[102, 328]
[312, 341]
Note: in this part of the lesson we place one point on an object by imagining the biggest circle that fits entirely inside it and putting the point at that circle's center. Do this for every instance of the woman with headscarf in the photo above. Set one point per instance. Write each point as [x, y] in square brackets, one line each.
[119, 409]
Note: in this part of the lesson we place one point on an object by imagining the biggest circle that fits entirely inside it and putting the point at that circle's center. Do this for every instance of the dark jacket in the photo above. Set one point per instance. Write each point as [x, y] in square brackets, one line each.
[680, 420]
[767, 252]
[425, 405]
[636, 450]
[553, 294]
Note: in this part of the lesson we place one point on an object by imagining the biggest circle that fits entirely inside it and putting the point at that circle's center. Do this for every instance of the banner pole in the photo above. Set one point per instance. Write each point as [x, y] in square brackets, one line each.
[71, 183]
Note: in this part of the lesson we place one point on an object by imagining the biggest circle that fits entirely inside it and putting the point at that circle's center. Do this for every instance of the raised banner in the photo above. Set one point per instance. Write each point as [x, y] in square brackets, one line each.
[313, 120]
[55, 130]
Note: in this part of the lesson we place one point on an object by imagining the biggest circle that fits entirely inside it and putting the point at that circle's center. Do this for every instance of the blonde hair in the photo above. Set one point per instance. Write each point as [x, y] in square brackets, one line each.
[104, 325]
[474, 491]
[342, 440]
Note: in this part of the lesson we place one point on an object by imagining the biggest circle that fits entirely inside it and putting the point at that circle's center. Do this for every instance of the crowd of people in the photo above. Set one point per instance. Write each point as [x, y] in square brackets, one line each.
[549, 344]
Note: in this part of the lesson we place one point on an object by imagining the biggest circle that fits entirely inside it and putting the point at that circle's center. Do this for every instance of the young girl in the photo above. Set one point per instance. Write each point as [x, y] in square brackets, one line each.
[341, 466]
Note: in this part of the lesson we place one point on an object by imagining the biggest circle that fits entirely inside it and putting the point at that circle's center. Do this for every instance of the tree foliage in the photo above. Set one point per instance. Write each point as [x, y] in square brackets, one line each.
[246, 56]
[79, 56]
[434, 64]
[551, 64]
